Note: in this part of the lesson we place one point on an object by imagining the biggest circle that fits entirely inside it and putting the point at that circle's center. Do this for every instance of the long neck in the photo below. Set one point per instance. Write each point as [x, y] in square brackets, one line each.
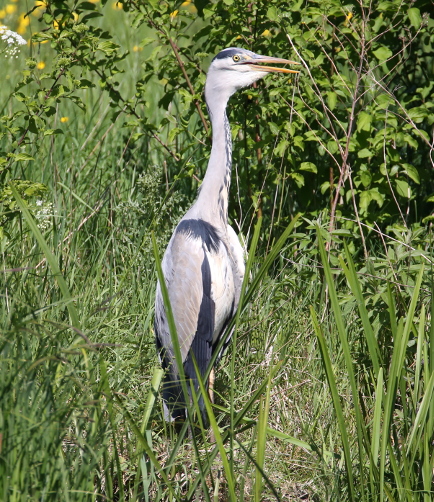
[214, 191]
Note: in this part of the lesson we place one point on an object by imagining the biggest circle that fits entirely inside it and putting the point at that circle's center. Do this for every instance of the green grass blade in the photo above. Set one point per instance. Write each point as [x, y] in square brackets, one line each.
[427, 469]
[254, 285]
[396, 372]
[351, 275]
[240, 417]
[269, 259]
[263, 474]
[50, 257]
[419, 357]
[376, 421]
[362, 439]
[76, 196]
[431, 331]
[152, 396]
[106, 390]
[419, 424]
[218, 438]
[336, 401]
[251, 257]
[203, 464]
[144, 444]
[264, 408]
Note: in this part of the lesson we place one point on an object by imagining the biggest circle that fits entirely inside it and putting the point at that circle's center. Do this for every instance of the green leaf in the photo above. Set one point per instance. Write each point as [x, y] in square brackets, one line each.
[342, 232]
[384, 6]
[281, 147]
[365, 199]
[384, 100]
[274, 128]
[418, 114]
[411, 141]
[403, 188]
[298, 178]
[366, 178]
[364, 121]
[377, 196]
[331, 99]
[415, 17]
[382, 53]
[19, 157]
[87, 6]
[411, 172]
[325, 186]
[308, 166]
[272, 13]
[298, 142]
[49, 132]
[107, 47]
[364, 153]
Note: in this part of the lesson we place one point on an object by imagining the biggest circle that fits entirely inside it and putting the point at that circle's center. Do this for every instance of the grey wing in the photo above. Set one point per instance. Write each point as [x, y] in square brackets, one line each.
[183, 267]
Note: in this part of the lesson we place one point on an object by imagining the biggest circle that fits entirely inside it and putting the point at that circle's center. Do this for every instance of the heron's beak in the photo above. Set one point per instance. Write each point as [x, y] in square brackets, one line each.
[257, 60]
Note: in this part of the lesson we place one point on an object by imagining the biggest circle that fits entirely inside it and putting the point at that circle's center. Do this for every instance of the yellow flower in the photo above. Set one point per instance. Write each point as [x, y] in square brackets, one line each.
[10, 8]
[40, 65]
[75, 16]
[267, 33]
[117, 5]
[189, 6]
[64, 119]
[173, 15]
[137, 48]
[2, 13]
[23, 22]
[348, 18]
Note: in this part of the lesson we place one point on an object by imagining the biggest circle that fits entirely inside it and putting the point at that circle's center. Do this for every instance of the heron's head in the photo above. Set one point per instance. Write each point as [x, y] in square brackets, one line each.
[234, 68]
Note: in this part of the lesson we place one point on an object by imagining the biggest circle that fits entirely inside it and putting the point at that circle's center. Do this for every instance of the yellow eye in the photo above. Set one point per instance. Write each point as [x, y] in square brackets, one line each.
[236, 58]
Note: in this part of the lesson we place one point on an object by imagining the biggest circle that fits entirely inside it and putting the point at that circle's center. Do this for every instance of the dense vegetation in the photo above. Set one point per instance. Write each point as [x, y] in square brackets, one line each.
[326, 390]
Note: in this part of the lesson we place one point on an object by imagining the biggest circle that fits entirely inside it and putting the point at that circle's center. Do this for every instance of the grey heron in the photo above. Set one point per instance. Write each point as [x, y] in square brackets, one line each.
[203, 265]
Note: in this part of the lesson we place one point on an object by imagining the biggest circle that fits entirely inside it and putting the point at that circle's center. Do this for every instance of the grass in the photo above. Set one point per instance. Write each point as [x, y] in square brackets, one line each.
[325, 394]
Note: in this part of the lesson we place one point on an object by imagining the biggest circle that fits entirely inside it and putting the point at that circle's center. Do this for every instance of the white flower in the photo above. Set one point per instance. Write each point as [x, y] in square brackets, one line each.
[44, 215]
[12, 40]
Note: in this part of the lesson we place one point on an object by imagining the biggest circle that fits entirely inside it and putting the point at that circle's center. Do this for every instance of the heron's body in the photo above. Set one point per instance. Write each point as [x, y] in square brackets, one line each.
[203, 264]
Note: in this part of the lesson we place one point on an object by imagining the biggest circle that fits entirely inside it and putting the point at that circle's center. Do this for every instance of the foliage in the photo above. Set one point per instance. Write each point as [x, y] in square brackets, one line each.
[362, 103]
[104, 140]
[392, 396]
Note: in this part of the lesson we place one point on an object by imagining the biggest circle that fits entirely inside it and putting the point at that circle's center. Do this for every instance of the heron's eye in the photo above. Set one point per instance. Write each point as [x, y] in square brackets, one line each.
[236, 58]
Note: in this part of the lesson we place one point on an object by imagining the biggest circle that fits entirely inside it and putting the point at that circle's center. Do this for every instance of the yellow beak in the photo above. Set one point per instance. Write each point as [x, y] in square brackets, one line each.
[255, 62]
